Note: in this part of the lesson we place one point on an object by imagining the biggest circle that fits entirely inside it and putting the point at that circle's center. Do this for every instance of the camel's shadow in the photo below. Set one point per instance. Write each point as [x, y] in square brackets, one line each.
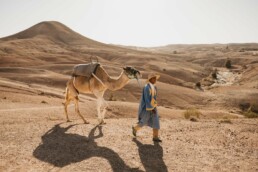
[61, 149]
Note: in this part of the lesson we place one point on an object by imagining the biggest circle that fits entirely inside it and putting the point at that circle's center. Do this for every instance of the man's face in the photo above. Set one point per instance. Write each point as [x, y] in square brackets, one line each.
[153, 80]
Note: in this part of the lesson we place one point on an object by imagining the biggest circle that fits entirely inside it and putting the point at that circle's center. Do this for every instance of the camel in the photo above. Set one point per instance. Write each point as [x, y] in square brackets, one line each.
[97, 84]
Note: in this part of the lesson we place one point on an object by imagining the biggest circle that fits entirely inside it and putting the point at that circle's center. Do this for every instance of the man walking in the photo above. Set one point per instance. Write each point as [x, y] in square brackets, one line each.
[148, 114]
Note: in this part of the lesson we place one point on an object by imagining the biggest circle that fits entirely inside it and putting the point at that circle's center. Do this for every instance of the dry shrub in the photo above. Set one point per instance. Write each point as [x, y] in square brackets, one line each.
[198, 84]
[192, 112]
[250, 113]
[44, 102]
[228, 64]
[244, 106]
[214, 74]
[112, 98]
[254, 108]
[250, 110]
[193, 119]
[226, 120]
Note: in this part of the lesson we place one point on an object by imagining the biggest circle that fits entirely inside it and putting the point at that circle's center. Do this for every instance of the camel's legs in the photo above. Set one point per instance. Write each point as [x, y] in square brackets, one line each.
[104, 105]
[76, 102]
[100, 111]
[66, 103]
[100, 101]
[98, 108]
[72, 94]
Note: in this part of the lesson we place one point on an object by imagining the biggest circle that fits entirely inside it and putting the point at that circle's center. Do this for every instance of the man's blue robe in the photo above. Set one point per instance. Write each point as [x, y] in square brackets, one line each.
[148, 103]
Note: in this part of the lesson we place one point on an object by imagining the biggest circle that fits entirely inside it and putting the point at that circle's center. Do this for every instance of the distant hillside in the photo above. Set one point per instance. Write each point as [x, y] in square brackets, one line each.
[45, 54]
[54, 31]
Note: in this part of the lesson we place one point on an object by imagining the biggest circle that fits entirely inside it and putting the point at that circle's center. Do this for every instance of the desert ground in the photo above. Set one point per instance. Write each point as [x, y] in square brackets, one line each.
[36, 63]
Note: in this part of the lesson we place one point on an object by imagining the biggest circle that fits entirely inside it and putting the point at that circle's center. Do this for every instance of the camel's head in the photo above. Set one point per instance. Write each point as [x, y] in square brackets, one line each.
[131, 72]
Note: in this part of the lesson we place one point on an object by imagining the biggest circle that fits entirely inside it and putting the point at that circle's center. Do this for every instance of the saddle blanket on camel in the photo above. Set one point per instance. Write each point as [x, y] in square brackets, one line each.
[85, 69]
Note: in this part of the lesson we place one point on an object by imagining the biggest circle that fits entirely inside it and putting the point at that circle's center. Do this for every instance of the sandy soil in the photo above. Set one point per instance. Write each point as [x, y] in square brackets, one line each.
[34, 136]
[45, 144]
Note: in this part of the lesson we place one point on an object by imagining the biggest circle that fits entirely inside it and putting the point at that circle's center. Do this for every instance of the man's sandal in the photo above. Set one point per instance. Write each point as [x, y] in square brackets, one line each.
[156, 140]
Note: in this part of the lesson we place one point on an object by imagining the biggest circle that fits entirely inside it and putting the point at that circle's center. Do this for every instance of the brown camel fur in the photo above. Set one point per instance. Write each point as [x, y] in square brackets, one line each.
[97, 85]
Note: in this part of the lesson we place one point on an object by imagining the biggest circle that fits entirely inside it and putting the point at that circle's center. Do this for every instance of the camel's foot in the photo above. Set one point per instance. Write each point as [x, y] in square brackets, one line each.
[101, 122]
[68, 120]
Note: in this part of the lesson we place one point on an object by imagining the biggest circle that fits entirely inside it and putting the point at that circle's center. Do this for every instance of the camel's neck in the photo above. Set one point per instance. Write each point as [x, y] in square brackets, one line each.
[118, 83]
[110, 82]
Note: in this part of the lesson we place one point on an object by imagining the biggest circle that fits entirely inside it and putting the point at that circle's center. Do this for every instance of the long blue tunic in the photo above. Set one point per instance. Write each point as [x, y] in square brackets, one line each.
[147, 104]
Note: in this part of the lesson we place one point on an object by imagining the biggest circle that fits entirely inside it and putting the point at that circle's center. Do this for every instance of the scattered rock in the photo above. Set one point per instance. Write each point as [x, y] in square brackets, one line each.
[43, 101]
[227, 121]
[41, 93]
[193, 119]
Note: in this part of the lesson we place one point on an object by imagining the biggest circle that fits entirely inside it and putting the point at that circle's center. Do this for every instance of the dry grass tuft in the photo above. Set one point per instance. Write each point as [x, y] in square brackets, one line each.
[226, 120]
[192, 112]
[112, 98]
[250, 114]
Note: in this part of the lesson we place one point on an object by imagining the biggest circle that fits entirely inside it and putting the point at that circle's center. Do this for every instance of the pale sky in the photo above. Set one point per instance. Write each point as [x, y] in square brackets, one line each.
[140, 22]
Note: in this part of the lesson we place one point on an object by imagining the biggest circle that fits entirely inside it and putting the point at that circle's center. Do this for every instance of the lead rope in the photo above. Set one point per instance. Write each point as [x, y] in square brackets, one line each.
[139, 83]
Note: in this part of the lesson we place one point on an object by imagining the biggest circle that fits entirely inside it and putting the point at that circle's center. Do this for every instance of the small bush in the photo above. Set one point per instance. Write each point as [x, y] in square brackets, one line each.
[250, 110]
[244, 106]
[228, 64]
[214, 75]
[174, 52]
[254, 108]
[251, 114]
[192, 112]
[44, 102]
[112, 98]
[198, 84]
[193, 119]
[228, 121]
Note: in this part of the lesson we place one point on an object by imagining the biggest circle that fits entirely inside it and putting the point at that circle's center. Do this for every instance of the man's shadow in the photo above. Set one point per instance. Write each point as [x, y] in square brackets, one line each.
[61, 149]
[151, 156]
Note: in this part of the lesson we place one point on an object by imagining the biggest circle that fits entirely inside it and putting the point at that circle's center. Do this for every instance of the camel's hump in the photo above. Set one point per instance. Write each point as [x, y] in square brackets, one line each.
[85, 69]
